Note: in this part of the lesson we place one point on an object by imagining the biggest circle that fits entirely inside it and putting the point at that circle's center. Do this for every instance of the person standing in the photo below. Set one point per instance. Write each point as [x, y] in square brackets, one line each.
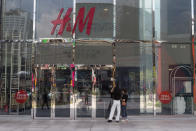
[124, 104]
[116, 92]
[45, 100]
[86, 98]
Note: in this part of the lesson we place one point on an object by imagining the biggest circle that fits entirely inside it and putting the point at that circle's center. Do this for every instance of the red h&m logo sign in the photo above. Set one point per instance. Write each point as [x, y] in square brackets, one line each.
[65, 21]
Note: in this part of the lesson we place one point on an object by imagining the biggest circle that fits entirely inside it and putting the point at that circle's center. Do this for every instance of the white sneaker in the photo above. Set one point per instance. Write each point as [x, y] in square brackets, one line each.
[123, 120]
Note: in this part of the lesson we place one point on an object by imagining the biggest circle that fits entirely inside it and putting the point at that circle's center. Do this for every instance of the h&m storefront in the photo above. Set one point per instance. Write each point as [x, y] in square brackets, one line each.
[80, 47]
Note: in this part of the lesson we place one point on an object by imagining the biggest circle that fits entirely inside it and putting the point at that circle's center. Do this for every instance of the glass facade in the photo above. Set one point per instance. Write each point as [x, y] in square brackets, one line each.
[66, 54]
[171, 30]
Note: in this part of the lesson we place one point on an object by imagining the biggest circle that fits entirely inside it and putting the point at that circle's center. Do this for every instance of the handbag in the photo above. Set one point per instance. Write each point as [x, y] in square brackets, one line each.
[123, 103]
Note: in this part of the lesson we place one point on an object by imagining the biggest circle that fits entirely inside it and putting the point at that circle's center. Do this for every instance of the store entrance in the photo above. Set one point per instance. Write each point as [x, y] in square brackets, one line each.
[52, 91]
[83, 93]
[64, 92]
[43, 93]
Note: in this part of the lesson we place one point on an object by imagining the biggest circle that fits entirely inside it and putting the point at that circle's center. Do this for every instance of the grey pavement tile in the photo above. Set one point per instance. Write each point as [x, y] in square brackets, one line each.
[106, 129]
[34, 129]
[5, 129]
[98, 125]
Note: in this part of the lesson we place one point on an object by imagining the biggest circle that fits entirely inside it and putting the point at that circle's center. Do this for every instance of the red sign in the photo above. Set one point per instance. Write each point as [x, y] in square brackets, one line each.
[165, 97]
[65, 21]
[21, 96]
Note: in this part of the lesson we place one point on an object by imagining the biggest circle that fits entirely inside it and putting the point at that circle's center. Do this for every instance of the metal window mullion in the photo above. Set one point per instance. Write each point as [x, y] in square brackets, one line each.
[11, 74]
[73, 107]
[114, 19]
[34, 18]
[93, 105]
[52, 102]
[154, 57]
[6, 73]
[193, 17]
[193, 52]
[19, 69]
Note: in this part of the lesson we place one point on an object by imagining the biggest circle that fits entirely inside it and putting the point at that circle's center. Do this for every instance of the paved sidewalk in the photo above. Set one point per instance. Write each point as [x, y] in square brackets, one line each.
[134, 124]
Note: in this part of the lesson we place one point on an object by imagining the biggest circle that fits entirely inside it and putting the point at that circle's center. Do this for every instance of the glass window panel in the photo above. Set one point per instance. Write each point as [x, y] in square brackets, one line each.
[102, 25]
[194, 6]
[51, 53]
[127, 19]
[1, 7]
[134, 19]
[48, 11]
[15, 77]
[135, 73]
[17, 19]
[127, 54]
[175, 21]
[93, 53]
[174, 76]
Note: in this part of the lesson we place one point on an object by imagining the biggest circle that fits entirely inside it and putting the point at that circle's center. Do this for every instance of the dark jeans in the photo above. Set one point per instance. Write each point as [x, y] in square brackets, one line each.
[45, 103]
[124, 111]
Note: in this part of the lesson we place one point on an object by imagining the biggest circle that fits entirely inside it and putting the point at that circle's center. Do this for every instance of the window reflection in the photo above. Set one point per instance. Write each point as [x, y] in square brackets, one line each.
[17, 19]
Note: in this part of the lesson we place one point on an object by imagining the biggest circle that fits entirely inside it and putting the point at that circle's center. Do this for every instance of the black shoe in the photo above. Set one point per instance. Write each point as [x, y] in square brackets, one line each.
[117, 121]
[109, 120]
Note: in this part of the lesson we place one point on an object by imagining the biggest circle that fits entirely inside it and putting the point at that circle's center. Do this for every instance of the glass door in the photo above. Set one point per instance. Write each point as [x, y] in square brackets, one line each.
[103, 87]
[83, 93]
[62, 94]
[43, 93]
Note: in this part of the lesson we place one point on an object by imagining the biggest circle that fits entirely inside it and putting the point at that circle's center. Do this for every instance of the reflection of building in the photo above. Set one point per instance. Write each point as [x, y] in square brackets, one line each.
[0, 37]
[132, 47]
[102, 26]
[17, 25]
[127, 15]
[1, 8]
[175, 20]
[15, 72]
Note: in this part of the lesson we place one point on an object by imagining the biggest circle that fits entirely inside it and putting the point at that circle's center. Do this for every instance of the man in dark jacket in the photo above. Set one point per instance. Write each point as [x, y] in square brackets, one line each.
[116, 93]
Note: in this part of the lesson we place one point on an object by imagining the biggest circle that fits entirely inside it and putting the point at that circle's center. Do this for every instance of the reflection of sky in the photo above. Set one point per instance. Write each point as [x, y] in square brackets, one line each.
[195, 11]
[179, 16]
[48, 11]
[26, 5]
[95, 1]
